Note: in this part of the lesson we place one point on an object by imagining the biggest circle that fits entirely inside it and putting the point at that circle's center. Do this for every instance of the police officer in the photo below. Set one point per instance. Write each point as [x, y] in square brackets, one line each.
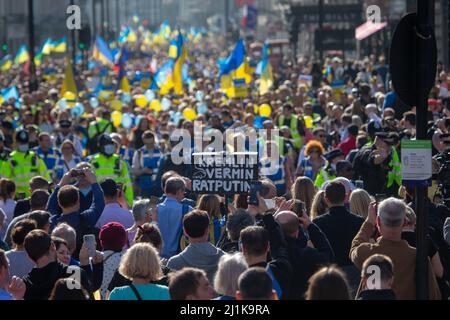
[379, 166]
[23, 165]
[108, 165]
[146, 164]
[294, 123]
[46, 152]
[329, 171]
[126, 153]
[97, 128]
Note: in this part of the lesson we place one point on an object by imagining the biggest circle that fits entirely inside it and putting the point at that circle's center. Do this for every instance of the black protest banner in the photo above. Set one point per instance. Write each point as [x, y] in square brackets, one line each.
[224, 173]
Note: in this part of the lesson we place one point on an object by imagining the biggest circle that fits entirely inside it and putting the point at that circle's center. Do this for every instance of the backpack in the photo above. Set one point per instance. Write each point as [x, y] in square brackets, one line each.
[92, 144]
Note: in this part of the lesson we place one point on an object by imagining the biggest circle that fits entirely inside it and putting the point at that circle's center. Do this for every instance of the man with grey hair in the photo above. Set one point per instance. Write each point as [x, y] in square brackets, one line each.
[236, 221]
[141, 214]
[389, 222]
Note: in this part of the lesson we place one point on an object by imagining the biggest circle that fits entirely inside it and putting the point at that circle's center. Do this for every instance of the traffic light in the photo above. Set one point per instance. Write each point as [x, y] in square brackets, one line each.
[84, 37]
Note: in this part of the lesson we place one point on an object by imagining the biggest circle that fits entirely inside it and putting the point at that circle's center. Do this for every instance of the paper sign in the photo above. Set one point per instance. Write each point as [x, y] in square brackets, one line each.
[416, 162]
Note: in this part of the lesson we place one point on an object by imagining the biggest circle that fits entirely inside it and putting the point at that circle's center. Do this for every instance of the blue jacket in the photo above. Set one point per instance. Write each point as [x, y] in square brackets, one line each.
[91, 215]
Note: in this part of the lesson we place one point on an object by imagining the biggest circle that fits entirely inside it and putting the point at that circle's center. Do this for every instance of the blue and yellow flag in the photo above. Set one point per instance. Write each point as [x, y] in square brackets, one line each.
[164, 78]
[233, 75]
[47, 47]
[6, 63]
[102, 53]
[59, 46]
[182, 53]
[265, 71]
[69, 80]
[22, 55]
[9, 93]
[123, 82]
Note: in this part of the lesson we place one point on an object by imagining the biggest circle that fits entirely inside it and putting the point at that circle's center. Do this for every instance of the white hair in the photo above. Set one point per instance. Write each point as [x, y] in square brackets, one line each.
[230, 267]
[392, 212]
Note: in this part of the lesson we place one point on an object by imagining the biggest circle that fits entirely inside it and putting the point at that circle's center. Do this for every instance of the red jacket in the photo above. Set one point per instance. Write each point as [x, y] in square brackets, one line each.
[347, 145]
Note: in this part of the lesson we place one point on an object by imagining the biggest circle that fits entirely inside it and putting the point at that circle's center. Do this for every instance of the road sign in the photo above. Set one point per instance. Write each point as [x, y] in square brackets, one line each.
[403, 60]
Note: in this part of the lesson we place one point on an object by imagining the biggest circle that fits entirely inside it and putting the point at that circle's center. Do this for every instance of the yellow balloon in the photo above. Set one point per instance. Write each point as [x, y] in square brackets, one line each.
[265, 110]
[308, 121]
[189, 114]
[156, 105]
[1, 100]
[116, 117]
[141, 101]
[255, 109]
[70, 95]
[116, 105]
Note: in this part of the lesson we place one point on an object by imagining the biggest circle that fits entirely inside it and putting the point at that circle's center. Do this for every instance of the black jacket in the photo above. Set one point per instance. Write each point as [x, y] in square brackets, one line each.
[377, 295]
[279, 263]
[40, 281]
[373, 175]
[305, 261]
[340, 226]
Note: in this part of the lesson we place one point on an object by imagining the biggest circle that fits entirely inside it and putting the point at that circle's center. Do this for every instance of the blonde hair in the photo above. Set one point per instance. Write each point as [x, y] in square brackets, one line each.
[304, 190]
[319, 205]
[230, 267]
[359, 202]
[141, 261]
[211, 204]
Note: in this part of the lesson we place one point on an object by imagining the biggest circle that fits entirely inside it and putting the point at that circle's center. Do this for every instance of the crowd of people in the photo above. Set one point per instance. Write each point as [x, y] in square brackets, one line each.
[332, 211]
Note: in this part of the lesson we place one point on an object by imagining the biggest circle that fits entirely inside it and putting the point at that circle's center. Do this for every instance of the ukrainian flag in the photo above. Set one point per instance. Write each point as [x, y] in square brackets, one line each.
[48, 46]
[38, 58]
[22, 55]
[6, 63]
[69, 80]
[123, 83]
[59, 46]
[163, 77]
[328, 74]
[102, 53]
[9, 93]
[233, 73]
[181, 57]
[266, 80]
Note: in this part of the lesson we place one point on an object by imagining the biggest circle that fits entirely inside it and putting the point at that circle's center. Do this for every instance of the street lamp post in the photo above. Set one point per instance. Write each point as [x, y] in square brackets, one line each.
[94, 18]
[102, 17]
[73, 41]
[33, 83]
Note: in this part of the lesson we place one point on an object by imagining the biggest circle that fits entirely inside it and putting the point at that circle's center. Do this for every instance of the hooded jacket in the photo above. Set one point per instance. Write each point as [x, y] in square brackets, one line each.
[203, 256]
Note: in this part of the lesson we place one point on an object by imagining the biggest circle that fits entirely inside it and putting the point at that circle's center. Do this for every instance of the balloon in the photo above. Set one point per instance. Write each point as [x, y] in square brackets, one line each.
[149, 95]
[255, 109]
[165, 104]
[127, 121]
[265, 110]
[116, 105]
[77, 110]
[308, 121]
[93, 102]
[141, 101]
[116, 117]
[202, 108]
[199, 95]
[1, 99]
[156, 105]
[62, 104]
[189, 114]
[126, 97]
